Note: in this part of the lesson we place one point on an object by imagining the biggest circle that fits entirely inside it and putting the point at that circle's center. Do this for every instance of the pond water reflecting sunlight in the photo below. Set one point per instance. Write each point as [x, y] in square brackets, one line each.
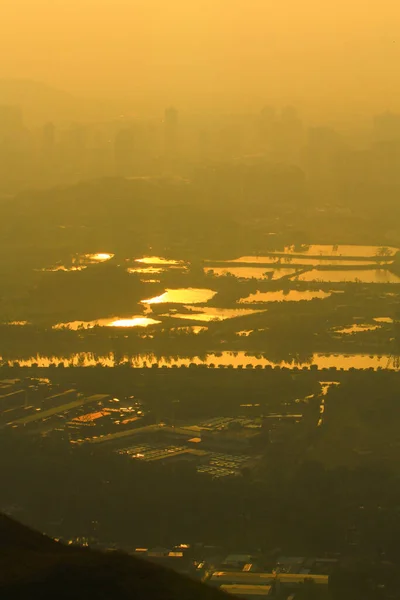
[63, 268]
[98, 257]
[111, 322]
[282, 296]
[340, 250]
[357, 329]
[250, 272]
[182, 296]
[223, 359]
[383, 319]
[158, 260]
[209, 313]
[355, 276]
[146, 270]
[322, 261]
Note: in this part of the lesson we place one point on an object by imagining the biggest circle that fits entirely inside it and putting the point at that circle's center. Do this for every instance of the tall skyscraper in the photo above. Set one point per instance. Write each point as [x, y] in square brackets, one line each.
[386, 148]
[387, 127]
[15, 147]
[75, 149]
[123, 152]
[11, 121]
[286, 137]
[171, 134]
[48, 140]
[267, 123]
[323, 156]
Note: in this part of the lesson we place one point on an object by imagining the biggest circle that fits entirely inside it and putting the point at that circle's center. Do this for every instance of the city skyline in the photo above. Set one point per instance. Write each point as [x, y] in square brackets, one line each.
[336, 59]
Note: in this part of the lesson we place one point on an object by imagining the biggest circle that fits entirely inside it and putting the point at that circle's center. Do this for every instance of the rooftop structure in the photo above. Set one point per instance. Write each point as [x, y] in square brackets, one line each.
[12, 399]
[238, 559]
[240, 578]
[44, 414]
[247, 591]
[61, 397]
[220, 578]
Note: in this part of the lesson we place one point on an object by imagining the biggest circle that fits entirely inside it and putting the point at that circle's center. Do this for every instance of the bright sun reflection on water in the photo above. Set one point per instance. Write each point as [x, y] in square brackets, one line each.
[304, 260]
[236, 359]
[356, 276]
[113, 322]
[250, 272]
[64, 268]
[99, 257]
[383, 319]
[135, 322]
[281, 296]
[157, 260]
[357, 329]
[145, 270]
[343, 250]
[208, 314]
[182, 296]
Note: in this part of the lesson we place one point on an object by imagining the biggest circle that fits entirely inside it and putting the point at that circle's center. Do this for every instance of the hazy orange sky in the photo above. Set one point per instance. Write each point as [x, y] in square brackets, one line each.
[320, 53]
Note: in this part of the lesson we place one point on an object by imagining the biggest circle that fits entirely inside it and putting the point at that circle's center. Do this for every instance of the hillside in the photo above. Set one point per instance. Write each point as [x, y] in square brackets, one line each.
[41, 103]
[33, 565]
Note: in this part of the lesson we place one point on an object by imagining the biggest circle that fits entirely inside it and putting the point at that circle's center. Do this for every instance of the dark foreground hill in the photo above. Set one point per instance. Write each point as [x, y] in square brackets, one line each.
[34, 566]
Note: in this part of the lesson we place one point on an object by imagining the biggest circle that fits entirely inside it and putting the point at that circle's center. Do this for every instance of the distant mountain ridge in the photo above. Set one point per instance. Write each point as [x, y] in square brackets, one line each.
[41, 103]
[33, 565]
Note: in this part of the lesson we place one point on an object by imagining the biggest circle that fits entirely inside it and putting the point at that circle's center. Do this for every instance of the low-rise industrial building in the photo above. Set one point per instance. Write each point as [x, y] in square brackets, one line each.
[248, 592]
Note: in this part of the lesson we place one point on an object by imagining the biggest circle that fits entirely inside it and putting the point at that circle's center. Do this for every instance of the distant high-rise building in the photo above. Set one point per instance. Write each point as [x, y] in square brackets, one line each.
[203, 141]
[267, 122]
[171, 133]
[124, 146]
[11, 120]
[324, 150]
[386, 161]
[268, 114]
[48, 140]
[281, 134]
[387, 127]
[290, 136]
[15, 147]
[75, 149]
[386, 148]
